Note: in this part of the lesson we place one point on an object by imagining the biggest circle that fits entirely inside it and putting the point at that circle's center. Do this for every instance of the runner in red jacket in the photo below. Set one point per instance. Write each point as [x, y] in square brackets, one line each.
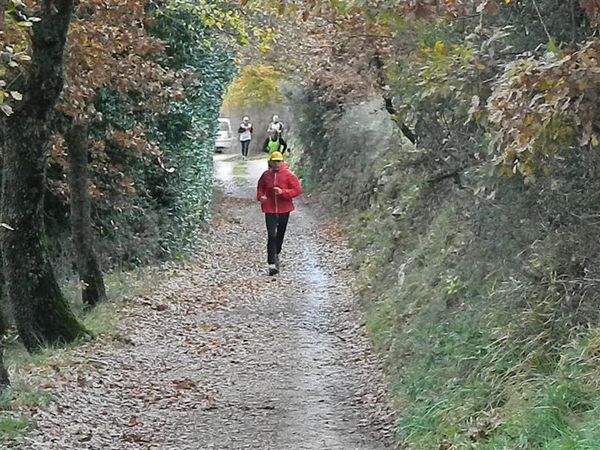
[276, 188]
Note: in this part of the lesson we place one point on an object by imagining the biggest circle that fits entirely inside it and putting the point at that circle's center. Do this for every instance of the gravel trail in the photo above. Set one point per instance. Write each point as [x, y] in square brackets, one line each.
[222, 356]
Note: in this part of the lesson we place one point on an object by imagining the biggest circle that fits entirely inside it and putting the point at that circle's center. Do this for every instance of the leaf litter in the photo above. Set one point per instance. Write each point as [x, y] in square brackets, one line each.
[222, 356]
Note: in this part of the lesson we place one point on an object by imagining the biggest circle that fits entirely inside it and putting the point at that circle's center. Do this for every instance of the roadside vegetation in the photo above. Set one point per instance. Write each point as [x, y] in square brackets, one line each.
[457, 139]
[460, 145]
[108, 114]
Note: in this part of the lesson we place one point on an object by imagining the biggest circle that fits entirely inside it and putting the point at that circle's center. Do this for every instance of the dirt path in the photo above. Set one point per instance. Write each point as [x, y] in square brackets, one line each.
[222, 356]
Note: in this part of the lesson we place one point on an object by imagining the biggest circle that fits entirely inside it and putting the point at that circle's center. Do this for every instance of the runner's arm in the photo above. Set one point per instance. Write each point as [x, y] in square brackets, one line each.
[293, 189]
[260, 188]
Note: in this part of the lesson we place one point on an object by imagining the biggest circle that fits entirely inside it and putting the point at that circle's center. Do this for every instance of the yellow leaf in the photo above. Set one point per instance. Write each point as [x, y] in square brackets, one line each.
[439, 47]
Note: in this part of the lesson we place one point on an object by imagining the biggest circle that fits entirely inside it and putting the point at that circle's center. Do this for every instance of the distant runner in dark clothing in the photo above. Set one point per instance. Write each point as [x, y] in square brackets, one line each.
[245, 131]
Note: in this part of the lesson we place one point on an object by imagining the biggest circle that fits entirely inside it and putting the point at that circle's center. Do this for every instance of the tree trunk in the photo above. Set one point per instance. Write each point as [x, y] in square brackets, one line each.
[87, 264]
[4, 380]
[40, 311]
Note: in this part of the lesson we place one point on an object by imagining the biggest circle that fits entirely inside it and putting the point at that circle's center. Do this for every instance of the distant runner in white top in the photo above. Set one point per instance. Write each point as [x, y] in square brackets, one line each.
[276, 126]
[245, 132]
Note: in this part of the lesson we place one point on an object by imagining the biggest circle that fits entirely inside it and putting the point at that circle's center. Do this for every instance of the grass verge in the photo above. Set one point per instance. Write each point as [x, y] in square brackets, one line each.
[101, 321]
[490, 332]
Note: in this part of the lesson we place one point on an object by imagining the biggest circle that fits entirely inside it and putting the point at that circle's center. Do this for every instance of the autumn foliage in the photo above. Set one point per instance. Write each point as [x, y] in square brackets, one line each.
[122, 84]
[476, 240]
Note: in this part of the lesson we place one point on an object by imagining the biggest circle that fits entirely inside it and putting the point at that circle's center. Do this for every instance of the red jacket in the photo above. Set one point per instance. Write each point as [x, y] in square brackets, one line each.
[287, 182]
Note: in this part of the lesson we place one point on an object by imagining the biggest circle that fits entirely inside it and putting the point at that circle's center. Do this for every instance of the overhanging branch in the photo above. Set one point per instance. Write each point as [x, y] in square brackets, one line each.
[377, 63]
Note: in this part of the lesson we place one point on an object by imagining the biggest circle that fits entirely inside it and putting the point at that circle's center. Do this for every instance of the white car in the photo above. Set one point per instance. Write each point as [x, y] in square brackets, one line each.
[224, 136]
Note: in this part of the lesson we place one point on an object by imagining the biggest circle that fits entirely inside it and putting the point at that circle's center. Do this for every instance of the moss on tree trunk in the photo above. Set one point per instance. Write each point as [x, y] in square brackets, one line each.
[4, 380]
[40, 311]
[93, 290]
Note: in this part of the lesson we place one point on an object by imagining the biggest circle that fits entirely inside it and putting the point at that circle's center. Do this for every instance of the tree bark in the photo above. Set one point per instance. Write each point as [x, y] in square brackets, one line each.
[4, 379]
[391, 109]
[40, 311]
[93, 290]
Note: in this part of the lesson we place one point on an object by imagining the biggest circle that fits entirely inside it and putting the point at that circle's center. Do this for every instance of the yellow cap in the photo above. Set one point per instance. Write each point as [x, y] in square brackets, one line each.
[276, 156]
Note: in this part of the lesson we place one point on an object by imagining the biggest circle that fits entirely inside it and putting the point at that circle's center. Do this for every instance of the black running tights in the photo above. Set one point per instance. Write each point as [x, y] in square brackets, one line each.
[276, 225]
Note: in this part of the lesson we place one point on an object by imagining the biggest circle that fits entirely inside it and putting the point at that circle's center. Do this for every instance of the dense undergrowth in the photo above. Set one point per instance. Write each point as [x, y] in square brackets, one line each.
[482, 296]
